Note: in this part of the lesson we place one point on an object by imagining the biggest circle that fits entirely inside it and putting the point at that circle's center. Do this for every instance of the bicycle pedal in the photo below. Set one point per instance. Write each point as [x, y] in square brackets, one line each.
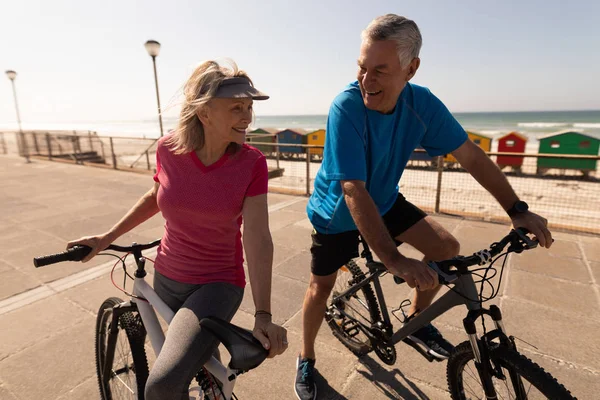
[351, 328]
[420, 350]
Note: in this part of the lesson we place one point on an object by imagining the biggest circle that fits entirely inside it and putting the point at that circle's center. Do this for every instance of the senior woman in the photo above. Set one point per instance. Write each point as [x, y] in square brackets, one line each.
[208, 179]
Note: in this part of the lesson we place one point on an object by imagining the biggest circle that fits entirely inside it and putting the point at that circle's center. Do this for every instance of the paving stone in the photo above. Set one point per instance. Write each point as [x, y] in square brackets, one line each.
[569, 298]
[30, 324]
[13, 282]
[542, 262]
[54, 374]
[562, 336]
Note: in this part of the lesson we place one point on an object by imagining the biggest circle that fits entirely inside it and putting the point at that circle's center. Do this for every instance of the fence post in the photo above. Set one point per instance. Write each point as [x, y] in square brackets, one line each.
[90, 139]
[277, 147]
[25, 147]
[49, 144]
[308, 170]
[35, 143]
[112, 151]
[4, 149]
[147, 160]
[438, 194]
[102, 149]
[73, 139]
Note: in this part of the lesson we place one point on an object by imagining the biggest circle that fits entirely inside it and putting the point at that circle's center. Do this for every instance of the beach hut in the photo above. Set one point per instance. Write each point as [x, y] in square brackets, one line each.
[316, 138]
[568, 142]
[485, 142]
[262, 135]
[420, 156]
[512, 142]
[291, 136]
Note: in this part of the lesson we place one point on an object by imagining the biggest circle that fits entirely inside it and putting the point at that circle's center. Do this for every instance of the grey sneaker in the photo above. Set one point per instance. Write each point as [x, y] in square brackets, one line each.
[432, 341]
[305, 387]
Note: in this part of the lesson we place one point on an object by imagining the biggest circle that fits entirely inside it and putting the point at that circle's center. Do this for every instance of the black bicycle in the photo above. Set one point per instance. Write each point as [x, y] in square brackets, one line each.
[483, 367]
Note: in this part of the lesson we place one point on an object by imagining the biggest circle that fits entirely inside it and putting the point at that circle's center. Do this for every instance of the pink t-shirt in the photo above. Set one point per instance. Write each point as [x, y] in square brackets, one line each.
[202, 207]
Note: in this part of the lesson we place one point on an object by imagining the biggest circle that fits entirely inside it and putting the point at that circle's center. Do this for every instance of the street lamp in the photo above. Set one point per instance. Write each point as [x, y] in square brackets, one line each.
[153, 48]
[21, 137]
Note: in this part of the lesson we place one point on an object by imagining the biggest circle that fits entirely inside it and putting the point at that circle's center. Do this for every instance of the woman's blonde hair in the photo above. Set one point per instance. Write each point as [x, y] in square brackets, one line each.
[199, 89]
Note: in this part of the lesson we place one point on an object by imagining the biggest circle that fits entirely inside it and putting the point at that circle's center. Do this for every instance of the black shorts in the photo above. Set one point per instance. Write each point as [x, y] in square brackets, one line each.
[331, 252]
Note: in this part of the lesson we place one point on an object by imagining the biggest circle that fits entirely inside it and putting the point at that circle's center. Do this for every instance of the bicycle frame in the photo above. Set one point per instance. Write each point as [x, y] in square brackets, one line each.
[147, 312]
[463, 286]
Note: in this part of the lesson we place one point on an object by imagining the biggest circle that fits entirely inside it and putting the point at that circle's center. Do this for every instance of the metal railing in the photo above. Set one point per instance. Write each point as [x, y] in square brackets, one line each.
[85, 148]
[567, 197]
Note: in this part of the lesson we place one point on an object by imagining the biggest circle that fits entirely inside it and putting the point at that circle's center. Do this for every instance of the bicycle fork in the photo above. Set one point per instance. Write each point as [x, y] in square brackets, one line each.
[111, 342]
[483, 363]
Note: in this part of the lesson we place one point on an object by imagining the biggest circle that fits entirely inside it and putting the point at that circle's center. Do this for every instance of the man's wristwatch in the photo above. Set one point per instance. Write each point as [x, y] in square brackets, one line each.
[519, 207]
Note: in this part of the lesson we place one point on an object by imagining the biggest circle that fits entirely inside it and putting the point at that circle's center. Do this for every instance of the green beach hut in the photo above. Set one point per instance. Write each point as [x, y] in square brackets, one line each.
[262, 135]
[568, 142]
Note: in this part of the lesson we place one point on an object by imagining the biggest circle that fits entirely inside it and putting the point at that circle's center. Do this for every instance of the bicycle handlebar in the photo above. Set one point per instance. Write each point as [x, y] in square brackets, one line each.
[517, 238]
[78, 252]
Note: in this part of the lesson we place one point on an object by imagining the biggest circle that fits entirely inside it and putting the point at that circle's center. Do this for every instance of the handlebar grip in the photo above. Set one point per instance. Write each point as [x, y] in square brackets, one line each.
[75, 253]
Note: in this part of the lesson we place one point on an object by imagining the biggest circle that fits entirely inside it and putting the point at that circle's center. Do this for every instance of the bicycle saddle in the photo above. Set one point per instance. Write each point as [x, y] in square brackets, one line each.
[246, 351]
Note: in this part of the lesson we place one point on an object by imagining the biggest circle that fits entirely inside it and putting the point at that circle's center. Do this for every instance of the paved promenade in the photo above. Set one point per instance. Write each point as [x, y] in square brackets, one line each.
[550, 298]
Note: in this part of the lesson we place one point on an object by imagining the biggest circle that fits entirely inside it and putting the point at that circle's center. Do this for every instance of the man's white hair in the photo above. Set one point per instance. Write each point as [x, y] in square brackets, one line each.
[403, 31]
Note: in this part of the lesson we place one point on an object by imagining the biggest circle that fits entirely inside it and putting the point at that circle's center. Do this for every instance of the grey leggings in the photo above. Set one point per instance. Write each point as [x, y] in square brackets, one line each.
[187, 348]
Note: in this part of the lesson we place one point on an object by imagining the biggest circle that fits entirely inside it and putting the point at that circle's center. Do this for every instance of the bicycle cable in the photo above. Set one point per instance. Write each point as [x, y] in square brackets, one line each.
[122, 260]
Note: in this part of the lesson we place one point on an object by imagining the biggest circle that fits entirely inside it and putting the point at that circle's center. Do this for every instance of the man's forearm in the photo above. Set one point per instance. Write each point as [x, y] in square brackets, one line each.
[370, 224]
[483, 169]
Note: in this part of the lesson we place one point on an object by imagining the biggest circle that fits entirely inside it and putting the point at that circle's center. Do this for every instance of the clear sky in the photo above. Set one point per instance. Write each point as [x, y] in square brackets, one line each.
[85, 61]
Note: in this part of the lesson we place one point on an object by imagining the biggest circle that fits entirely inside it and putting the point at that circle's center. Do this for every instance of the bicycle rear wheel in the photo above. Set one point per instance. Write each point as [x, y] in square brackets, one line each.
[361, 306]
[521, 378]
[129, 370]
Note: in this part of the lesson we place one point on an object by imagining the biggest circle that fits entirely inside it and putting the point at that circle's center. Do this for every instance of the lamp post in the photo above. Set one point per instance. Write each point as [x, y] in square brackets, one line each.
[153, 48]
[21, 137]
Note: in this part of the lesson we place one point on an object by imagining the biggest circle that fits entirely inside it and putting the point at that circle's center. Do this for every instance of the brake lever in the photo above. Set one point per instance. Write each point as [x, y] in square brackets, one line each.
[522, 234]
[444, 277]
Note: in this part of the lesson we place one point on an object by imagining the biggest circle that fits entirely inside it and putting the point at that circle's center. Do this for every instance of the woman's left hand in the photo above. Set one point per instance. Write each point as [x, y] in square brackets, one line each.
[272, 336]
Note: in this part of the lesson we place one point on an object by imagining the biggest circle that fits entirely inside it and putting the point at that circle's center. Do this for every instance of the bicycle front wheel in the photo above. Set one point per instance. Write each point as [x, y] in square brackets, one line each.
[129, 371]
[520, 377]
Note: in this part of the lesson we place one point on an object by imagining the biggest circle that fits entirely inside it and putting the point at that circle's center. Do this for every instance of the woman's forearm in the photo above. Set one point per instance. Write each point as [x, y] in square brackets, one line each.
[259, 252]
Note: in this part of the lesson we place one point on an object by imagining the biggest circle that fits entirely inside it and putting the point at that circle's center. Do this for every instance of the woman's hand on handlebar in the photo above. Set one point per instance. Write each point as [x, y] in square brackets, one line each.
[97, 244]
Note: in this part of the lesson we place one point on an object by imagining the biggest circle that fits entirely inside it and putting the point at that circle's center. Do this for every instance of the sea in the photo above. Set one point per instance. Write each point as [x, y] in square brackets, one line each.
[532, 124]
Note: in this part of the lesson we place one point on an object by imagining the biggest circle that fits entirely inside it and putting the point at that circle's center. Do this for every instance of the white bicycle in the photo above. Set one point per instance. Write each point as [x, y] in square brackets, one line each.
[122, 326]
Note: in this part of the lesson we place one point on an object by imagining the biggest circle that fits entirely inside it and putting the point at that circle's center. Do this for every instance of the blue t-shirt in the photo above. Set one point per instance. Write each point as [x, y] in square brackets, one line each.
[369, 146]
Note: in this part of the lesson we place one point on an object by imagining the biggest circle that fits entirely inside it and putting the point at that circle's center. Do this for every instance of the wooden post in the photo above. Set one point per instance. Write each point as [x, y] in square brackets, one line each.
[438, 193]
[147, 160]
[49, 144]
[112, 151]
[308, 170]
[277, 148]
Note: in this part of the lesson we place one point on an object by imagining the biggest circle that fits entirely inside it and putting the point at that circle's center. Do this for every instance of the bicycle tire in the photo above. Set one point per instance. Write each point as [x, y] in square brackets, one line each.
[131, 325]
[358, 348]
[513, 362]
